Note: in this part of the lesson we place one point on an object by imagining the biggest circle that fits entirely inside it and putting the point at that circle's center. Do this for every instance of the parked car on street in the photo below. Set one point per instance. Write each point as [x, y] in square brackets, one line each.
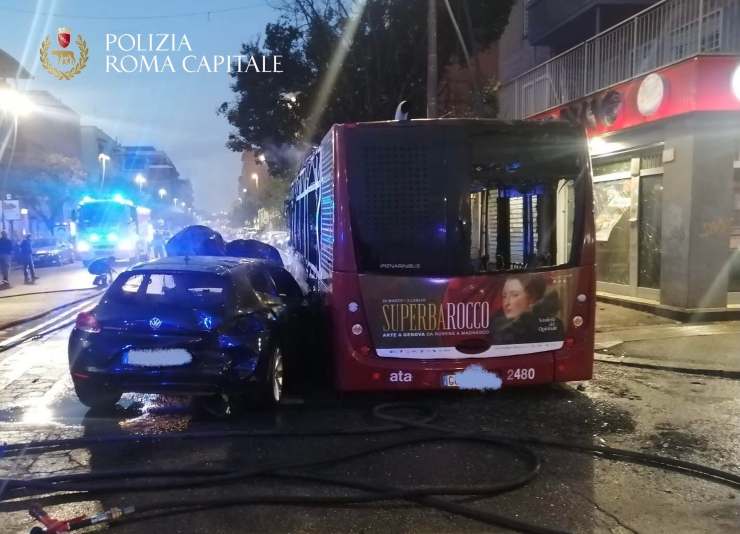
[51, 251]
[198, 325]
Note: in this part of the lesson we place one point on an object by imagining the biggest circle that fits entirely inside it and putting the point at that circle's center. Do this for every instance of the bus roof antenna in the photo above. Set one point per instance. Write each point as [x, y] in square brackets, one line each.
[402, 111]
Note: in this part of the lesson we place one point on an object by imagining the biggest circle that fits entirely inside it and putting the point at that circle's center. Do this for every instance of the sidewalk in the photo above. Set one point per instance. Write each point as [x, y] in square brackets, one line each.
[21, 301]
[633, 337]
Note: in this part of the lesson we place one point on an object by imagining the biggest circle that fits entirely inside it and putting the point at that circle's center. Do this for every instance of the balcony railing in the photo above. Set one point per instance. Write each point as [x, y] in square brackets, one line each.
[667, 32]
[547, 17]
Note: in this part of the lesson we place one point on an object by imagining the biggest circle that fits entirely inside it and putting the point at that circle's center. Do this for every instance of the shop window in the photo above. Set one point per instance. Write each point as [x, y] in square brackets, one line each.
[612, 200]
[734, 281]
[649, 235]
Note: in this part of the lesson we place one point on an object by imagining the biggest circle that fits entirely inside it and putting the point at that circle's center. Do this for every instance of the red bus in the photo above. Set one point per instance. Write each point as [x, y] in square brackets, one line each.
[450, 252]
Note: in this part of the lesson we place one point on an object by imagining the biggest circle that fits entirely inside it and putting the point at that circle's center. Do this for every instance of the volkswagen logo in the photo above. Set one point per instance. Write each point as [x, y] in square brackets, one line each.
[155, 323]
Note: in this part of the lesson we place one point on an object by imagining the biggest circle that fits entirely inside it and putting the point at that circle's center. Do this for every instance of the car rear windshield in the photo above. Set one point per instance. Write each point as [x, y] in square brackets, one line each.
[196, 290]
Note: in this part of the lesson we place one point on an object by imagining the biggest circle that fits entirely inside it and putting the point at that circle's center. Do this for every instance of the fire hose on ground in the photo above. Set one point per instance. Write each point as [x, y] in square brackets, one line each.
[394, 419]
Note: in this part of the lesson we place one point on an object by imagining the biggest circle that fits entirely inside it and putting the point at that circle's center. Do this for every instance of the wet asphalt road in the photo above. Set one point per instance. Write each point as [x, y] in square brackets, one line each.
[684, 416]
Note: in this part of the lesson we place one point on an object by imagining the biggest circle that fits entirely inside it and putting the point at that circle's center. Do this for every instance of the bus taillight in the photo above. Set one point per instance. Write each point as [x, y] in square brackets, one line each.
[358, 329]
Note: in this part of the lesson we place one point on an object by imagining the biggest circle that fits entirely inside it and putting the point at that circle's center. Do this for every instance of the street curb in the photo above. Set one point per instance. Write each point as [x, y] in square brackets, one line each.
[19, 322]
[31, 293]
[629, 361]
[66, 318]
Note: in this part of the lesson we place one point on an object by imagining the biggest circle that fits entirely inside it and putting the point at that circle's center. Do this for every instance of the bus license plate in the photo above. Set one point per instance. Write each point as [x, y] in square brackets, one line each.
[449, 381]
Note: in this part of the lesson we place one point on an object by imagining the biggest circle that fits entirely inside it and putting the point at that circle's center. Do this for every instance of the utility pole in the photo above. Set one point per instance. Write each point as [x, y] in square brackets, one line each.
[432, 60]
[473, 65]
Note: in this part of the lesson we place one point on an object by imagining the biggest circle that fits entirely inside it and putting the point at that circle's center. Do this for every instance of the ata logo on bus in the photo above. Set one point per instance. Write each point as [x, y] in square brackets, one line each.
[400, 376]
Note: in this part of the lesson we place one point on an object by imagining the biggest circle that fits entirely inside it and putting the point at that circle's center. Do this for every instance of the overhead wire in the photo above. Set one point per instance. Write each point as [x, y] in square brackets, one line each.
[206, 13]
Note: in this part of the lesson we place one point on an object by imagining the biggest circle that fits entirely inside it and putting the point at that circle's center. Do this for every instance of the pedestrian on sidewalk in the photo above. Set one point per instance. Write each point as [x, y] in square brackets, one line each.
[6, 253]
[29, 273]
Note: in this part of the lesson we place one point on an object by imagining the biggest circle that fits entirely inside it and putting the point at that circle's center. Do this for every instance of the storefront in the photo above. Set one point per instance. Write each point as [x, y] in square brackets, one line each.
[666, 165]
[627, 200]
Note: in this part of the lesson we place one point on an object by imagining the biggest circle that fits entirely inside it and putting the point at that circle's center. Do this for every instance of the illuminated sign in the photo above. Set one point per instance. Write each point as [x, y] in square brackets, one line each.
[736, 82]
[650, 94]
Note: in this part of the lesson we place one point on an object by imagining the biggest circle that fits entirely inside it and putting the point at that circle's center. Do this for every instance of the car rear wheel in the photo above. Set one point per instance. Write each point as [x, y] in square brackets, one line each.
[94, 395]
[278, 376]
[270, 392]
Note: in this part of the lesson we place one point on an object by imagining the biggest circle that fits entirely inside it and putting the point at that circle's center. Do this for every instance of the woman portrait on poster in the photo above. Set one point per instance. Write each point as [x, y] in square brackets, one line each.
[528, 314]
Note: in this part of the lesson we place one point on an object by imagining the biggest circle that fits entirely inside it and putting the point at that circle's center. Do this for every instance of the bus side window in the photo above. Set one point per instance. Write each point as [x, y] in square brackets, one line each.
[313, 249]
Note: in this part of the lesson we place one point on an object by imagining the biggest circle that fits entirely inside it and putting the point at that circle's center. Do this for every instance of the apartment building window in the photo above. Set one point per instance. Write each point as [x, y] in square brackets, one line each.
[525, 21]
[684, 37]
[711, 37]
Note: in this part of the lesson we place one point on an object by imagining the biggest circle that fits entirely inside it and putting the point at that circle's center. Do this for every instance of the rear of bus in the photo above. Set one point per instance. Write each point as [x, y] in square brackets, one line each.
[463, 255]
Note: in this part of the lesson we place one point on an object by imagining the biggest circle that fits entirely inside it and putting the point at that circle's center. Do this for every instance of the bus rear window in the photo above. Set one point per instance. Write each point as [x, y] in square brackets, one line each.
[449, 204]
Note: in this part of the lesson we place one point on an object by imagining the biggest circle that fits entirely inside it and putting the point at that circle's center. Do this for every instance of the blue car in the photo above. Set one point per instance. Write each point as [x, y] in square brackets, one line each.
[189, 326]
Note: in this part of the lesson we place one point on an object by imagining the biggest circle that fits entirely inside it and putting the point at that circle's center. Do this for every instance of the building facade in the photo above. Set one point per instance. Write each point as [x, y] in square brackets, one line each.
[659, 94]
[41, 160]
[101, 156]
[162, 182]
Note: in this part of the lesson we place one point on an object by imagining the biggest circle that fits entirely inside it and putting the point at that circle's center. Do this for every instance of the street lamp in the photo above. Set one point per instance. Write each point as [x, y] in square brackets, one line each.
[103, 159]
[261, 157]
[244, 190]
[174, 201]
[140, 181]
[162, 192]
[256, 178]
[15, 103]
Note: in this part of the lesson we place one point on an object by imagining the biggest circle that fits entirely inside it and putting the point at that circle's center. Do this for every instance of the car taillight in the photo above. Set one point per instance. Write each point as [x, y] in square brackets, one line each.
[86, 322]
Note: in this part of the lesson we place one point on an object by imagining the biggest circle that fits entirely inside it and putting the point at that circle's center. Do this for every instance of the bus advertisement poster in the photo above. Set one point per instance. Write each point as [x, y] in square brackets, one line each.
[473, 317]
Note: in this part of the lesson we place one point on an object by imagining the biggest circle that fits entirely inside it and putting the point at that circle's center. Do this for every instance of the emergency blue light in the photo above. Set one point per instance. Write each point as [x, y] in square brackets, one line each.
[227, 342]
[206, 320]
